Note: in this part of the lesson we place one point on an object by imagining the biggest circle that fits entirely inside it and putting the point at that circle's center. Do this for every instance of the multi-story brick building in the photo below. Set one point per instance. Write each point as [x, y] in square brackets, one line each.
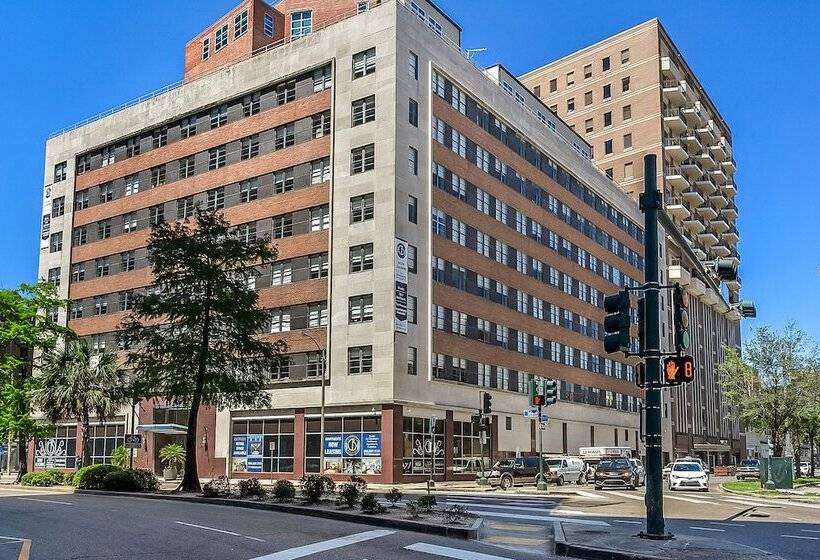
[440, 233]
[633, 94]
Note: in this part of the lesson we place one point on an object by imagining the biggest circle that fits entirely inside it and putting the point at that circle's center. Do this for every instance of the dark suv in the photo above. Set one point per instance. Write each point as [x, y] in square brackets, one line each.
[518, 470]
[615, 473]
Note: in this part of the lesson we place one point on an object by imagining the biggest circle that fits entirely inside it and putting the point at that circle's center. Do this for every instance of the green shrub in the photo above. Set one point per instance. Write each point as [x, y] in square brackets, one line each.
[58, 476]
[360, 483]
[426, 502]
[37, 479]
[121, 481]
[370, 504]
[147, 480]
[348, 495]
[120, 456]
[456, 514]
[315, 486]
[218, 487]
[92, 476]
[173, 456]
[413, 509]
[251, 487]
[394, 496]
[284, 491]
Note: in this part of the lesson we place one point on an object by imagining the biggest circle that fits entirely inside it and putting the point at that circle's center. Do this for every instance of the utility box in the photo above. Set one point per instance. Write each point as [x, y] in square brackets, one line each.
[779, 470]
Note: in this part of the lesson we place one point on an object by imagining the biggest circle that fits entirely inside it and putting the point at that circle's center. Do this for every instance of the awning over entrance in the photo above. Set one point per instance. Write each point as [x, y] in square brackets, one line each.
[163, 428]
[712, 447]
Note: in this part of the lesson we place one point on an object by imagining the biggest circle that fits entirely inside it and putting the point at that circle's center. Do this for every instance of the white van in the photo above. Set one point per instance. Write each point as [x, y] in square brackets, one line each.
[564, 469]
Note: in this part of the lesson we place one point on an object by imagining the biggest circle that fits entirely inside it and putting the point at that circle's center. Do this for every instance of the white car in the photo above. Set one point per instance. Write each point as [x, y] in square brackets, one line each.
[805, 468]
[688, 475]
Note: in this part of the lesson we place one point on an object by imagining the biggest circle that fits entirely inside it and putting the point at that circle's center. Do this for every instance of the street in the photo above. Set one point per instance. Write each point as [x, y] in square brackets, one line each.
[517, 526]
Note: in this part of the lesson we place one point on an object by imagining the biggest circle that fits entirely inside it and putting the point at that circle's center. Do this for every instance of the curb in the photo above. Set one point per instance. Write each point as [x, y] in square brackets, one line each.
[787, 499]
[465, 532]
[564, 548]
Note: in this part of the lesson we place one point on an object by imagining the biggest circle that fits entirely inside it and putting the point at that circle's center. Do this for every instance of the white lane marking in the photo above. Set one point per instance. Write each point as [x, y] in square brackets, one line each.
[586, 494]
[218, 530]
[46, 501]
[727, 524]
[690, 500]
[447, 552]
[708, 529]
[624, 521]
[801, 537]
[748, 503]
[12, 539]
[810, 531]
[625, 495]
[539, 518]
[323, 546]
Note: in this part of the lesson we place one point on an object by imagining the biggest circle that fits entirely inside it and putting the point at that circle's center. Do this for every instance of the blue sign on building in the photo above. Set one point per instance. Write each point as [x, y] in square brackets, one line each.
[372, 444]
[240, 446]
[355, 444]
[254, 446]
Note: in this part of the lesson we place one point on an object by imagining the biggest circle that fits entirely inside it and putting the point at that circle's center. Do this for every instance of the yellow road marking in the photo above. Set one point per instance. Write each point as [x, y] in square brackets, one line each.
[515, 527]
[25, 549]
[514, 540]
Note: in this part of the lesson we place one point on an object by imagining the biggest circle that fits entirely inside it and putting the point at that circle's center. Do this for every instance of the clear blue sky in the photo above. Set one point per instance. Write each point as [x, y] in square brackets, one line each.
[64, 61]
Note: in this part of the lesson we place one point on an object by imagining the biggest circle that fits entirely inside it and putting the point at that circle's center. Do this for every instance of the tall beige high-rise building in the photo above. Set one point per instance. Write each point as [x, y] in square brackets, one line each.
[634, 94]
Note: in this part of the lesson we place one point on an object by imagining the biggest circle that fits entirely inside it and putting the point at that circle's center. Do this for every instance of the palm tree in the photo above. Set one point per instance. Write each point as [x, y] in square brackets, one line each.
[72, 387]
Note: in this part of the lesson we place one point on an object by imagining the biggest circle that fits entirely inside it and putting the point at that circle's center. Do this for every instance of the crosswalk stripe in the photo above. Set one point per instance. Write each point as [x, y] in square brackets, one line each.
[801, 537]
[550, 518]
[590, 495]
[749, 503]
[708, 529]
[690, 500]
[500, 499]
[457, 553]
[323, 546]
[625, 495]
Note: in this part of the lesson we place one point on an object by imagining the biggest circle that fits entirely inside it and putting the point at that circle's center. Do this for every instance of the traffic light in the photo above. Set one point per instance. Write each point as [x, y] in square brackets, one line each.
[532, 391]
[550, 392]
[681, 303]
[678, 369]
[640, 375]
[616, 323]
[486, 403]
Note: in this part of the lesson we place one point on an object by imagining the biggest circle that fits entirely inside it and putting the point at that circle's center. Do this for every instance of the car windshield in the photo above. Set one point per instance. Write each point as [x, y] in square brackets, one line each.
[687, 467]
[748, 463]
[614, 464]
[553, 462]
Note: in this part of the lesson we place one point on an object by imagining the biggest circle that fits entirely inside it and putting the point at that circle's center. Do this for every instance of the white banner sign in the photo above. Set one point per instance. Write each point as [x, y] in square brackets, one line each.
[400, 277]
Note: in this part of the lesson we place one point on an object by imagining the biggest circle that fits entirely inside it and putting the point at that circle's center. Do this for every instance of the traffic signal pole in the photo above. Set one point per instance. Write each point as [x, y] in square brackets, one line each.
[650, 203]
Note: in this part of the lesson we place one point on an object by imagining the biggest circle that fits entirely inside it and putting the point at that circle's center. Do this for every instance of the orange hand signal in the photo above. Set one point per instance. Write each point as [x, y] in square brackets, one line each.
[671, 371]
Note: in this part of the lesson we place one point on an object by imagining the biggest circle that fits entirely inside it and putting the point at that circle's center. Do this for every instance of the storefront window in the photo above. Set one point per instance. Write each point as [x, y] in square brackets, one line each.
[353, 445]
[58, 451]
[466, 447]
[262, 446]
[420, 446]
[103, 439]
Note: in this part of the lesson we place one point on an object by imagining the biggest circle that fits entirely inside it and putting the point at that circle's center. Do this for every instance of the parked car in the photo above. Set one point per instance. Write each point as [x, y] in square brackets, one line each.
[748, 468]
[640, 471]
[518, 470]
[564, 469]
[805, 468]
[615, 473]
[666, 470]
[688, 474]
[468, 465]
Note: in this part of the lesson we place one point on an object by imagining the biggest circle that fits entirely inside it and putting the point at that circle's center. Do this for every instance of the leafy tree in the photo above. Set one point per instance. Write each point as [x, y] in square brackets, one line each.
[808, 414]
[75, 384]
[24, 321]
[761, 380]
[195, 334]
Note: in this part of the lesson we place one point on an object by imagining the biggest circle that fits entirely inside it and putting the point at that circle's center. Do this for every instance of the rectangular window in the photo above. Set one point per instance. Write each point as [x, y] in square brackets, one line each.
[624, 56]
[284, 137]
[627, 141]
[282, 226]
[185, 207]
[249, 190]
[625, 84]
[251, 104]
[607, 147]
[128, 261]
[281, 274]
[364, 63]
[359, 360]
[100, 306]
[363, 110]
[412, 209]
[206, 48]
[268, 25]
[608, 118]
[132, 147]
[280, 320]
[609, 172]
[553, 85]
[413, 161]
[285, 93]
[217, 157]
[320, 171]
[360, 308]
[218, 116]
[157, 176]
[221, 37]
[126, 301]
[283, 181]
[216, 198]
[109, 155]
[80, 236]
[412, 360]
[587, 71]
[588, 98]
[321, 124]
[186, 167]
[413, 65]
[54, 276]
[156, 215]
[247, 234]
[58, 206]
[129, 222]
[362, 159]
[60, 172]
[361, 257]
[76, 311]
[628, 172]
[83, 164]
[132, 184]
[570, 105]
[301, 24]
[607, 91]
[187, 127]
[240, 24]
[412, 314]
[104, 229]
[570, 78]
[56, 242]
[605, 64]
[319, 218]
[627, 112]
[413, 112]
[250, 147]
[78, 272]
[361, 208]
[318, 266]
[412, 258]
[588, 126]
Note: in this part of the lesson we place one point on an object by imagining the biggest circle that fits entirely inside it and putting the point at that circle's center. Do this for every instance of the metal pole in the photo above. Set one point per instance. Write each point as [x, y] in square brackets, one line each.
[8, 456]
[650, 203]
[542, 483]
[133, 431]
[482, 480]
[322, 416]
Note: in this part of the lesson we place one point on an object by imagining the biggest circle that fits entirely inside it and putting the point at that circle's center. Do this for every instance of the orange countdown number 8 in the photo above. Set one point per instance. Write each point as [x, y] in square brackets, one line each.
[688, 370]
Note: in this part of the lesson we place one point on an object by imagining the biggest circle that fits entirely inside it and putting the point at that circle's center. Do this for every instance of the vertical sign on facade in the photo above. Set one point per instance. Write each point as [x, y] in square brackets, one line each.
[400, 275]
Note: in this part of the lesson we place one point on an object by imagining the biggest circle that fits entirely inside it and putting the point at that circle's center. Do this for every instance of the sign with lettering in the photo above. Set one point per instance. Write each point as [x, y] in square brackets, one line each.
[50, 453]
[400, 277]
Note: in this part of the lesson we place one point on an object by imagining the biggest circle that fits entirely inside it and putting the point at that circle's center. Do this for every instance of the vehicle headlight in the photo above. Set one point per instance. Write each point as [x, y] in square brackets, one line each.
[495, 473]
[626, 475]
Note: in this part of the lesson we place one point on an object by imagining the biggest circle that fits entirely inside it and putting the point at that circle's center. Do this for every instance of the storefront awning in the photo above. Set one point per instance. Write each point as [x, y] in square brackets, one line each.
[712, 447]
[163, 428]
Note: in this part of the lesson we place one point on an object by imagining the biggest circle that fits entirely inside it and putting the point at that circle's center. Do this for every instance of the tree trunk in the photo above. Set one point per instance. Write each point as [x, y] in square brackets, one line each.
[190, 478]
[86, 438]
[796, 458]
[811, 454]
[22, 453]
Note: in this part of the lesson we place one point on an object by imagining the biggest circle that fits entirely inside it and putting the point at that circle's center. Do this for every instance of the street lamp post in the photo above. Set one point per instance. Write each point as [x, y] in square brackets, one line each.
[323, 353]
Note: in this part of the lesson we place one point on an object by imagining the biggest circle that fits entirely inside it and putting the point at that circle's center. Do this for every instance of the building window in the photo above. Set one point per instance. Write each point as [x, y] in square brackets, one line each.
[553, 85]
[128, 261]
[109, 155]
[83, 164]
[219, 116]
[249, 190]
[283, 181]
[359, 360]
[54, 276]
[60, 172]
[413, 112]
[250, 147]
[625, 56]
[78, 272]
[100, 306]
[58, 207]
[587, 71]
[607, 119]
[625, 84]
[607, 91]
[412, 360]
[609, 173]
[285, 93]
[76, 311]
[413, 65]
[364, 63]
[537, 91]
[250, 104]
[280, 320]
[104, 229]
[159, 138]
[186, 167]
[156, 215]
[588, 126]
[247, 234]
[363, 110]
[570, 105]
[216, 199]
[318, 266]
[240, 24]
[361, 257]
[605, 64]
[360, 308]
[570, 78]
[607, 147]
[412, 209]
[80, 236]
[588, 98]
[81, 200]
[319, 218]
[221, 37]
[185, 207]
[319, 171]
[276, 441]
[129, 222]
[301, 24]
[268, 25]
[132, 184]
[412, 307]
[126, 301]
[282, 226]
[412, 259]
[206, 48]
[321, 124]
[628, 172]
[413, 161]
[362, 159]
[627, 141]
[187, 127]
[284, 137]
[132, 147]
[216, 157]
[361, 208]
[157, 176]
[627, 112]
[361, 7]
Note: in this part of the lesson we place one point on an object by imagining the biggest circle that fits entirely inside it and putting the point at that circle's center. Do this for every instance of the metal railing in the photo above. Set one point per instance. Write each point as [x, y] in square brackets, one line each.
[672, 113]
[671, 84]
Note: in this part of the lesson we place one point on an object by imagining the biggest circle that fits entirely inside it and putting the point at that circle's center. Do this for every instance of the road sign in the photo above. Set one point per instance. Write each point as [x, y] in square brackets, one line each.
[543, 425]
[678, 369]
[133, 441]
[531, 412]
[544, 418]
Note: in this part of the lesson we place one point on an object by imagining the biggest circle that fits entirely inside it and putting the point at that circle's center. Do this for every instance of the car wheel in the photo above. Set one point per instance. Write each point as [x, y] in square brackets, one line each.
[506, 482]
[580, 480]
[560, 481]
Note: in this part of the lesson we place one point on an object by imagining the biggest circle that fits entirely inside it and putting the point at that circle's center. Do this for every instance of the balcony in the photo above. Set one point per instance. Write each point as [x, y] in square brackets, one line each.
[673, 120]
[707, 132]
[729, 165]
[676, 178]
[720, 250]
[718, 200]
[679, 274]
[729, 212]
[699, 253]
[719, 148]
[692, 168]
[669, 69]
[708, 238]
[730, 189]
[706, 212]
[718, 175]
[731, 236]
[693, 143]
[696, 287]
[692, 196]
[711, 297]
[719, 225]
[706, 160]
[676, 208]
[693, 225]
[674, 91]
[705, 184]
[694, 115]
[673, 147]
[735, 284]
